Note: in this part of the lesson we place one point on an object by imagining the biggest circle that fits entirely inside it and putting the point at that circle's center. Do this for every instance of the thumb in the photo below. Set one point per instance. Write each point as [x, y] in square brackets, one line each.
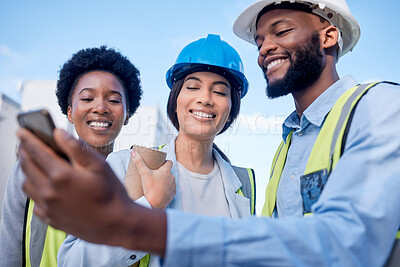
[77, 151]
[139, 163]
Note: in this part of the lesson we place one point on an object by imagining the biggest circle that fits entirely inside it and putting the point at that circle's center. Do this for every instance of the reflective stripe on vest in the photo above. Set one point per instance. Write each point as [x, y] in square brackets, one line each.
[276, 171]
[325, 154]
[248, 189]
[47, 249]
[144, 262]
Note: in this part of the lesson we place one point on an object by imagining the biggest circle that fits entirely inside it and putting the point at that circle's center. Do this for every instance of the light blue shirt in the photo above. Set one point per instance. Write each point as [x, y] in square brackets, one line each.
[355, 219]
[305, 132]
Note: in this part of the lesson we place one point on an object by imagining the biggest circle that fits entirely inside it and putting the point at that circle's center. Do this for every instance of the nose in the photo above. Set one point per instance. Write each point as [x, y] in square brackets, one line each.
[101, 107]
[204, 97]
[266, 48]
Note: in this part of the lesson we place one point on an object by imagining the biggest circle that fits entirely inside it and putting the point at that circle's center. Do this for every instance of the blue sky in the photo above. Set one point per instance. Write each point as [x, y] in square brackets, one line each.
[37, 37]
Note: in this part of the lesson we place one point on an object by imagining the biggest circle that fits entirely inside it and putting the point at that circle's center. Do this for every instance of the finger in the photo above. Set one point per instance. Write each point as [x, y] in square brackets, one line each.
[140, 164]
[32, 192]
[167, 165]
[35, 180]
[172, 185]
[41, 155]
[40, 212]
[77, 151]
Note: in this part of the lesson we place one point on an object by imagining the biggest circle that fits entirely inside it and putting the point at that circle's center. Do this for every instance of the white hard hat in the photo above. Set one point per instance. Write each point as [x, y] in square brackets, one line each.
[337, 12]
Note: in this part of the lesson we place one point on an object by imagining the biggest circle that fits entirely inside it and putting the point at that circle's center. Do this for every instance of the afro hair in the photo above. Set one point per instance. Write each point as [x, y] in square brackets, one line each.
[99, 59]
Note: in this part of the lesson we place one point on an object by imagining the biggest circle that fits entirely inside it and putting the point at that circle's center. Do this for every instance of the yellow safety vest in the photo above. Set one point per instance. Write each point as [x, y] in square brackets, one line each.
[48, 249]
[324, 155]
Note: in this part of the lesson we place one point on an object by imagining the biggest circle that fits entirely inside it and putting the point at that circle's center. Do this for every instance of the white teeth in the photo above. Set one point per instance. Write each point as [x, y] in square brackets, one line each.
[274, 63]
[202, 114]
[99, 124]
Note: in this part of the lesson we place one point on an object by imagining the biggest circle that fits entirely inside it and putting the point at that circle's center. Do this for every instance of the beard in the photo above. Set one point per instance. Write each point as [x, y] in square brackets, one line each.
[304, 70]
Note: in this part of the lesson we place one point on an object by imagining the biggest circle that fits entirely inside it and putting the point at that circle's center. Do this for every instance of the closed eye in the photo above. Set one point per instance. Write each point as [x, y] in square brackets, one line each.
[283, 32]
[220, 93]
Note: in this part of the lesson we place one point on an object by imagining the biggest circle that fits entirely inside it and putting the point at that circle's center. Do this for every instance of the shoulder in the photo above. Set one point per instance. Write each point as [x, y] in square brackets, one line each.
[16, 177]
[380, 101]
[120, 155]
[244, 169]
[244, 174]
[376, 118]
[14, 197]
[119, 162]
[382, 93]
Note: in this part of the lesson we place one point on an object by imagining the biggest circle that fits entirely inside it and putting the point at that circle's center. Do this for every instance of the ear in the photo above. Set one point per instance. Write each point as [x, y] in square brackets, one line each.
[330, 37]
[126, 119]
[69, 115]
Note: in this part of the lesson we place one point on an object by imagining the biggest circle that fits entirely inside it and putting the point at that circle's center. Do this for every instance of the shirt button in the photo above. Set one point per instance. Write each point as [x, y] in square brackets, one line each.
[292, 176]
[300, 133]
[132, 257]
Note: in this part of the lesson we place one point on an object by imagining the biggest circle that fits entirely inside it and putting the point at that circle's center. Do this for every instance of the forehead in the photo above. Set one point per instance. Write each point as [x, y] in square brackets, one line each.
[207, 76]
[276, 16]
[99, 81]
[98, 75]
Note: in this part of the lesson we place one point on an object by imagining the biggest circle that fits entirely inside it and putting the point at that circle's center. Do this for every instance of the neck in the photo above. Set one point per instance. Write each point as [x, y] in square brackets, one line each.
[104, 150]
[305, 97]
[194, 155]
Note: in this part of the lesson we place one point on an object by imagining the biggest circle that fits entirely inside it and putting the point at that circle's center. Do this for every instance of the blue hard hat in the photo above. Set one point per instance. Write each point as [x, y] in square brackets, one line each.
[209, 54]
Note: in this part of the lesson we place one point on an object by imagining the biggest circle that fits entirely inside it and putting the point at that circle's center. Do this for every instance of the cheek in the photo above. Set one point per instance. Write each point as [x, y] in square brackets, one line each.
[180, 104]
[180, 116]
[227, 106]
[260, 61]
[78, 113]
[120, 114]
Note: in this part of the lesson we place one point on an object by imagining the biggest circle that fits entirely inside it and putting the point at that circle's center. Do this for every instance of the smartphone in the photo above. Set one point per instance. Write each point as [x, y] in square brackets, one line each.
[40, 123]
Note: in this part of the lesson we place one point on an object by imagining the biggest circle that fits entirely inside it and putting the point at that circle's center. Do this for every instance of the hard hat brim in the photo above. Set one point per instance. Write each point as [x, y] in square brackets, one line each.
[245, 24]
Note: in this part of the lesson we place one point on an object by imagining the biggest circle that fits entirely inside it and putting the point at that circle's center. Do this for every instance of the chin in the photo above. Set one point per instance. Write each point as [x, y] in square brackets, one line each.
[100, 143]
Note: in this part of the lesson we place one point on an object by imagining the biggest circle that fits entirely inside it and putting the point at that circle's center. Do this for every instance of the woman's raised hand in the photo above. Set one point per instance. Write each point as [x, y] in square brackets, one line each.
[159, 185]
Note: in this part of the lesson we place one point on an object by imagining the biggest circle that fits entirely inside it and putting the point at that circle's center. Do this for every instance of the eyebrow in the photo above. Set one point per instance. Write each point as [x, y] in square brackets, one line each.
[92, 89]
[272, 25]
[278, 21]
[221, 82]
[214, 83]
[192, 78]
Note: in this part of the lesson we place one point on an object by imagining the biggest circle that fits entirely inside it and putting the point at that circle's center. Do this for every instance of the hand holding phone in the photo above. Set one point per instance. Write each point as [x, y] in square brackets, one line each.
[40, 123]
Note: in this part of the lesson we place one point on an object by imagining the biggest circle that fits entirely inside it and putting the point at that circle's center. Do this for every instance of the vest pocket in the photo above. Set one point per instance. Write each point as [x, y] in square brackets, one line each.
[311, 186]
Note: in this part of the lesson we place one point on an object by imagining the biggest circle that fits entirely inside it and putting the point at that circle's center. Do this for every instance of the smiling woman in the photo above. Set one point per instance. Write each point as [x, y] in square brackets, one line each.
[98, 89]
[98, 109]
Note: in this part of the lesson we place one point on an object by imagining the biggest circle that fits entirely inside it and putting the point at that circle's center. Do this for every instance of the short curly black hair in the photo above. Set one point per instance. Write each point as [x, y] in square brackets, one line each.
[99, 59]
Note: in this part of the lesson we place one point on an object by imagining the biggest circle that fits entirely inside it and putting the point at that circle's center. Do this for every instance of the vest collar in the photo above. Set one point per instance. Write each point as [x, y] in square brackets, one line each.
[317, 111]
